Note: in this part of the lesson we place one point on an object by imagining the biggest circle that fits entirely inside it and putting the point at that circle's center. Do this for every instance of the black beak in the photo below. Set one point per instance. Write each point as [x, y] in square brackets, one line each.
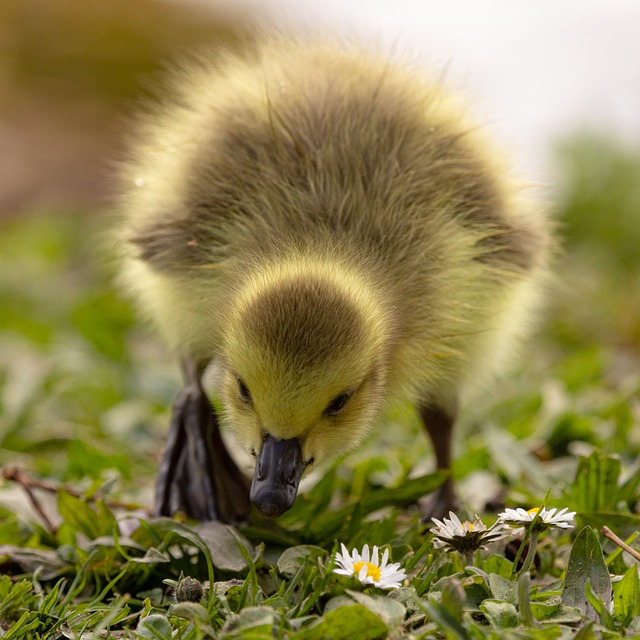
[279, 467]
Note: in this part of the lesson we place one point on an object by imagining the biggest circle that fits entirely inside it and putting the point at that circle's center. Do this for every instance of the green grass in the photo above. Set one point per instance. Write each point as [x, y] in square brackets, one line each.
[84, 397]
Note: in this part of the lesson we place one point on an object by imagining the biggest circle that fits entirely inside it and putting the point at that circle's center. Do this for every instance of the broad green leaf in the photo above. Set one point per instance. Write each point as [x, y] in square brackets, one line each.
[603, 612]
[391, 612]
[106, 521]
[354, 621]
[498, 565]
[626, 597]
[586, 564]
[292, 558]
[501, 615]
[231, 593]
[78, 515]
[191, 611]
[630, 488]
[503, 589]
[224, 546]
[544, 610]
[251, 622]
[595, 488]
[337, 602]
[154, 627]
[454, 596]
[586, 633]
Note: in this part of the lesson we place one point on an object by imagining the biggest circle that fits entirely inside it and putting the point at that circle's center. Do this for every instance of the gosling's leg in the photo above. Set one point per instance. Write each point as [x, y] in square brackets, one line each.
[197, 475]
[439, 424]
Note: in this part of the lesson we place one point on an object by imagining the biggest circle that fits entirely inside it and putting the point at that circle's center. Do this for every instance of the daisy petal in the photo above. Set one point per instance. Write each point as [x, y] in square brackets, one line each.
[367, 569]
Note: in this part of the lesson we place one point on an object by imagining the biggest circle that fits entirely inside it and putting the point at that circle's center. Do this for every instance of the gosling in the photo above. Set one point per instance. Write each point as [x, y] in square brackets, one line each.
[332, 232]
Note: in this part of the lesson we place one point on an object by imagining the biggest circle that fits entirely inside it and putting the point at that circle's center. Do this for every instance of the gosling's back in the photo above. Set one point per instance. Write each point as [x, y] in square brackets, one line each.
[339, 156]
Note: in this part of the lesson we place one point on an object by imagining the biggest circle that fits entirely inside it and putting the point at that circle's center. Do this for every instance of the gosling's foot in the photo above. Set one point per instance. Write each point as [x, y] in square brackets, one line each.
[197, 476]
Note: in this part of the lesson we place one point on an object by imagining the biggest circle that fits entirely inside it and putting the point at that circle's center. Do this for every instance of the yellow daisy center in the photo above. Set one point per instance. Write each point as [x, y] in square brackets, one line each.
[372, 570]
[467, 525]
[532, 512]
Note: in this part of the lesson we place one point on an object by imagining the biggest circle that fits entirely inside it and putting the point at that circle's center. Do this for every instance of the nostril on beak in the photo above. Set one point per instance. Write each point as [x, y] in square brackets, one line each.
[272, 510]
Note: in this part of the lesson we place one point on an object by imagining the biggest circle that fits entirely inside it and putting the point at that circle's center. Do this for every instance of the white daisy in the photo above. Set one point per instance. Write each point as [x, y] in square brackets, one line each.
[464, 536]
[519, 519]
[367, 569]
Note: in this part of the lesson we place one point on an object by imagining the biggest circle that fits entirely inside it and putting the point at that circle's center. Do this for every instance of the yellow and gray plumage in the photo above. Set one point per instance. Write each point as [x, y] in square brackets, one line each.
[333, 232]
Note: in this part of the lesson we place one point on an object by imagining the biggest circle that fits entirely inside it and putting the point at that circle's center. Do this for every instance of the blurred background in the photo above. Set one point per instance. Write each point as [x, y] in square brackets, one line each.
[84, 390]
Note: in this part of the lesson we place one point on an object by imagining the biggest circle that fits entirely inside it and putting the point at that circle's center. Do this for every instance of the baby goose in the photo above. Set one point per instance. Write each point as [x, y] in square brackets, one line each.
[331, 231]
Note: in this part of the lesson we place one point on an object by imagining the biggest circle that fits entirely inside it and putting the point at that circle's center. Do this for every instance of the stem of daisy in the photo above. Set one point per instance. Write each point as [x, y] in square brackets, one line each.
[468, 557]
[531, 554]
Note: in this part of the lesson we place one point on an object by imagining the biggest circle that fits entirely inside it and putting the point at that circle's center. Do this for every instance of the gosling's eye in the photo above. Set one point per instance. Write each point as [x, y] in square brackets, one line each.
[337, 404]
[243, 390]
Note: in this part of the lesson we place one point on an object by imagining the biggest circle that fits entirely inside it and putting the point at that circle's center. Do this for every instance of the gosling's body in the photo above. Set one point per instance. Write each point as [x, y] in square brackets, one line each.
[333, 232]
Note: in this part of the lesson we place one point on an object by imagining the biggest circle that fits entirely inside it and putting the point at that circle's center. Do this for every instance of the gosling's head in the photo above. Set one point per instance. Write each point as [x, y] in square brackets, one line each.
[305, 352]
